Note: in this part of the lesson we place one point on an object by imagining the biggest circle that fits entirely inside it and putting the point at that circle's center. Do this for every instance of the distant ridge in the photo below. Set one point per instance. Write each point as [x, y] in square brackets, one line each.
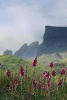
[28, 51]
[54, 41]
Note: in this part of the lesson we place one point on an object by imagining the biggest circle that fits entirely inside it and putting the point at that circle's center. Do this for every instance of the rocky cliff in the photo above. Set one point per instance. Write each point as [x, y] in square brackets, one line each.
[28, 51]
[31, 50]
[21, 51]
[54, 40]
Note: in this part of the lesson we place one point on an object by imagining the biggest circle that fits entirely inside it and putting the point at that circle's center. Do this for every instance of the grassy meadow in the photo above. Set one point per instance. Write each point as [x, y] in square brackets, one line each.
[32, 80]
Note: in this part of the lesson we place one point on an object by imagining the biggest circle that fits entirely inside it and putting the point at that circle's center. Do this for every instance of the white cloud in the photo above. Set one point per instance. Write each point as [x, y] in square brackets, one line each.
[23, 23]
[26, 27]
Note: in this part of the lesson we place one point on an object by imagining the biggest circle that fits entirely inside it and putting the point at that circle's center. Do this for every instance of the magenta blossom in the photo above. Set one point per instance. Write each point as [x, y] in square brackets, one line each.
[48, 83]
[53, 73]
[63, 72]
[46, 74]
[34, 61]
[60, 82]
[10, 87]
[8, 73]
[16, 82]
[51, 64]
[22, 72]
[34, 83]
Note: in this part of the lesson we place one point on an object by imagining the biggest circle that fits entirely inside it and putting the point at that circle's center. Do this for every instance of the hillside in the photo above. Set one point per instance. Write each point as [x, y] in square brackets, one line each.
[46, 58]
[11, 62]
[56, 57]
[59, 59]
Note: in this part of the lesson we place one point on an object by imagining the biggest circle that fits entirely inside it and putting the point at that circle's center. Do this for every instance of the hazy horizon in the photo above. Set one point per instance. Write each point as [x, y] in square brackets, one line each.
[24, 21]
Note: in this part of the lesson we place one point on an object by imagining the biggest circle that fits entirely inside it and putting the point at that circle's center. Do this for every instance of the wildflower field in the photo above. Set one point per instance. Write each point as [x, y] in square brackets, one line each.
[24, 85]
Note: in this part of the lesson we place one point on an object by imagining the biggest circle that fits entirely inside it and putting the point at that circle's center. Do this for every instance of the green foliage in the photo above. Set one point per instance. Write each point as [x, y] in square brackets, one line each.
[11, 62]
[25, 90]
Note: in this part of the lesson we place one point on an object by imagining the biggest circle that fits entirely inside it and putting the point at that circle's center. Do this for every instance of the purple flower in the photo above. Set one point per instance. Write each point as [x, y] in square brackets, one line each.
[51, 64]
[53, 73]
[35, 61]
[60, 82]
[46, 74]
[48, 83]
[63, 72]
[22, 72]
[34, 83]
[8, 73]
[16, 82]
[10, 87]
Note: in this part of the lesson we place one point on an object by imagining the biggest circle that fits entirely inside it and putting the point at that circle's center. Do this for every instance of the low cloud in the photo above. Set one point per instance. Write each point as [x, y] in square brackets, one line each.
[24, 22]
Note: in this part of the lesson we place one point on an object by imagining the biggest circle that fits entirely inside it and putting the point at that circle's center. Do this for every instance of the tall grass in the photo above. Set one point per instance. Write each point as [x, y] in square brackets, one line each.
[49, 85]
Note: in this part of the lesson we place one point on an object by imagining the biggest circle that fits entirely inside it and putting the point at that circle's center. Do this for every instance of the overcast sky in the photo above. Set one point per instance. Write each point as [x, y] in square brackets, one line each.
[24, 21]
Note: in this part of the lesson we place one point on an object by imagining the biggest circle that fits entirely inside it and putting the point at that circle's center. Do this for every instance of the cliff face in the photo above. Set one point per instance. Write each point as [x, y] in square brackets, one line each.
[31, 50]
[28, 51]
[21, 51]
[54, 40]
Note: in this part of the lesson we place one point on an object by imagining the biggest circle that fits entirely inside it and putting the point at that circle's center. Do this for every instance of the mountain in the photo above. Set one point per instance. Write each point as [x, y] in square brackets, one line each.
[54, 40]
[31, 50]
[21, 51]
[28, 51]
[8, 52]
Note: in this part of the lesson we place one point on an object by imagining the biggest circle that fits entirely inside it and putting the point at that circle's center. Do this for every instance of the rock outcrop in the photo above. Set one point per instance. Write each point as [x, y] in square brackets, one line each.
[21, 51]
[8, 52]
[54, 40]
[28, 51]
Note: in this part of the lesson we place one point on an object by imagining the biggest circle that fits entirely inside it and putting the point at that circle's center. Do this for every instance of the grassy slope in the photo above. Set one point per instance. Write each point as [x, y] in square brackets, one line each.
[59, 63]
[46, 58]
[11, 62]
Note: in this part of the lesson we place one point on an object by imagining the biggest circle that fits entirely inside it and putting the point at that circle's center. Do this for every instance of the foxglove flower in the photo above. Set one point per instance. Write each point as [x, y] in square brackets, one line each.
[35, 61]
[16, 82]
[60, 82]
[46, 74]
[22, 72]
[51, 64]
[53, 73]
[48, 83]
[8, 73]
[63, 72]
[34, 83]
[10, 87]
